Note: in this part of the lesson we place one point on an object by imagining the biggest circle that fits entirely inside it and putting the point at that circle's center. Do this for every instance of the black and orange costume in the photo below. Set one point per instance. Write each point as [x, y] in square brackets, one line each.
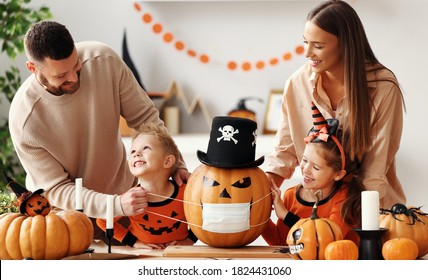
[329, 207]
[161, 223]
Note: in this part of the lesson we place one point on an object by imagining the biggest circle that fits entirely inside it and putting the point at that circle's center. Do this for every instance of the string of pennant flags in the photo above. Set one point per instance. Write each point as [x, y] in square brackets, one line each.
[204, 58]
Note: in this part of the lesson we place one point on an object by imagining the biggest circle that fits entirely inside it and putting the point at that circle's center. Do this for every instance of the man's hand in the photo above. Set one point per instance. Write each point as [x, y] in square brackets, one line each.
[181, 176]
[134, 201]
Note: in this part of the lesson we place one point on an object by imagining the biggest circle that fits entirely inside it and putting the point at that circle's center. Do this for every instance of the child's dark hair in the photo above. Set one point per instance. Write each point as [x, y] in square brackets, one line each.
[351, 207]
[164, 138]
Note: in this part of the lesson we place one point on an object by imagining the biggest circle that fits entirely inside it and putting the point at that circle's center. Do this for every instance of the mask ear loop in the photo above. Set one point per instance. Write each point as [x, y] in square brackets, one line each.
[267, 220]
[178, 220]
[174, 219]
[196, 204]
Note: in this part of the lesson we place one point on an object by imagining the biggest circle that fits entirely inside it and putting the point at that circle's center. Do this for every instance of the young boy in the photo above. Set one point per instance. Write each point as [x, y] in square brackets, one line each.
[153, 159]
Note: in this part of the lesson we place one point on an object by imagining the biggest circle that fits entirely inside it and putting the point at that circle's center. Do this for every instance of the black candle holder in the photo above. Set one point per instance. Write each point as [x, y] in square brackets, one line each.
[109, 235]
[370, 244]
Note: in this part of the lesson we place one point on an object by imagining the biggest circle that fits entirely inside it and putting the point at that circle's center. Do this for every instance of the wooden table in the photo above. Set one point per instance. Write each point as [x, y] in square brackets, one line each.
[100, 252]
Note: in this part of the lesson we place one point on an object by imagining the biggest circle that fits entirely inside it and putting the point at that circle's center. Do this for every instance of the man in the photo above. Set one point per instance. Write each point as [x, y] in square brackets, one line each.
[64, 122]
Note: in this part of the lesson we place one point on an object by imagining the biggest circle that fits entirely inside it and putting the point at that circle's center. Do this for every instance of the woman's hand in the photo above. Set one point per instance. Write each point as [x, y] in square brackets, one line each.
[181, 176]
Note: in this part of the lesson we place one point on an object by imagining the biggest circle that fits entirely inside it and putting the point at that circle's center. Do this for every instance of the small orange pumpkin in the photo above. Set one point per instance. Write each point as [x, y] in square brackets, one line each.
[408, 222]
[308, 238]
[215, 185]
[341, 250]
[30, 203]
[400, 249]
[54, 236]
[36, 204]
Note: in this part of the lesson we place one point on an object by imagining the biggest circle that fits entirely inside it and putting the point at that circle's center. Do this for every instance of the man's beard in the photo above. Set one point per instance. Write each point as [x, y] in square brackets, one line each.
[63, 88]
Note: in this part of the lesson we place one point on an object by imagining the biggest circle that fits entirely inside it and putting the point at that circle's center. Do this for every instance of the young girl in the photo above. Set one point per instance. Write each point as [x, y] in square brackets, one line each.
[153, 160]
[324, 167]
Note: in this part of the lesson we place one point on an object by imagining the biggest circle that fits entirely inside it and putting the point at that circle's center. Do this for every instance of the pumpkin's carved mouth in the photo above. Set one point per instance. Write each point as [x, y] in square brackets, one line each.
[40, 211]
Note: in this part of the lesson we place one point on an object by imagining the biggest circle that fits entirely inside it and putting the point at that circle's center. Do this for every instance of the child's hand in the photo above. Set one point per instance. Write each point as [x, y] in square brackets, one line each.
[280, 209]
[186, 241]
[142, 245]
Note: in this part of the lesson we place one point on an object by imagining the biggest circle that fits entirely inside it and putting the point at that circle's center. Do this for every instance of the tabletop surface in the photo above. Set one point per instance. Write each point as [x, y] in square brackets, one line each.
[99, 251]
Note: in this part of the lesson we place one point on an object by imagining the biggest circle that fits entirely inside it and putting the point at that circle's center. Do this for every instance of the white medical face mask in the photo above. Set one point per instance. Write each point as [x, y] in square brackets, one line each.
[226, 217]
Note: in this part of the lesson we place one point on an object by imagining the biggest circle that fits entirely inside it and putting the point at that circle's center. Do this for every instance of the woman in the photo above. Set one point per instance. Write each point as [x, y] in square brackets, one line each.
[347, 82]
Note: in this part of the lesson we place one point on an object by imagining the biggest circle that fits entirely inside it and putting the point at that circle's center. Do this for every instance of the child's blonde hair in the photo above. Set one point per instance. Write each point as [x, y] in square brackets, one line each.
[162, 135]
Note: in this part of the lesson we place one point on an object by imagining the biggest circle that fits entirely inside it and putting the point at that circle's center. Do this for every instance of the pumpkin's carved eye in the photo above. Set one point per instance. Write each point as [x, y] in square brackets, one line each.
[30, 205]
[245, 183]
[297, 234]
[210, 182]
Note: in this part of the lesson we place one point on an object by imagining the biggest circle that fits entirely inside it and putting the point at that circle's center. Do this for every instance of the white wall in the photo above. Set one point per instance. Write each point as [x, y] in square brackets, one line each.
[252, 30]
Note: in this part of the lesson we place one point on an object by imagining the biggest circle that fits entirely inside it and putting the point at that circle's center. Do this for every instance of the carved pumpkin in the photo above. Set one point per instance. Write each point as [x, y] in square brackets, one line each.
[403, 222]
[30, 203]
[211, 185]
[341, 250]
[400, 249]
[36, 204]
[54, 236]
[309, 237]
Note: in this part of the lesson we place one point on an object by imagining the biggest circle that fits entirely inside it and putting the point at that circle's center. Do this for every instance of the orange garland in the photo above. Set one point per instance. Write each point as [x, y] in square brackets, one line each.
[204, 58]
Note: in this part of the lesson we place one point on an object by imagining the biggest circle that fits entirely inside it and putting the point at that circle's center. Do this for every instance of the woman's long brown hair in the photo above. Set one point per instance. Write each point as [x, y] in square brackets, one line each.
[341, 20]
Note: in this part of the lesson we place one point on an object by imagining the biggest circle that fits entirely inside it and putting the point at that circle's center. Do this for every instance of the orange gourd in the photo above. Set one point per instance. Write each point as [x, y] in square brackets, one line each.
[54, 236]
[308, 238]
[400, 249]
[215, 185]
[403, 222]
[341, 250]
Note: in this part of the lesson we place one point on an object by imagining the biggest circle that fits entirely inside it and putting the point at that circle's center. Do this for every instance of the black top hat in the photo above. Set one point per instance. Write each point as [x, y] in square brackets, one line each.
[232, 143]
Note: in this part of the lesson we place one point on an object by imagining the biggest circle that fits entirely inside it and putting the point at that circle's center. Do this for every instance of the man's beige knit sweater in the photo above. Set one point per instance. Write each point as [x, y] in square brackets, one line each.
[61, 138]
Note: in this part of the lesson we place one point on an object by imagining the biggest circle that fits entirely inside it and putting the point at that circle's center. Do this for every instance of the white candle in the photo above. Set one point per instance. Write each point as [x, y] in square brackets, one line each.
[79, 188]
[109, 212]
[370, 210]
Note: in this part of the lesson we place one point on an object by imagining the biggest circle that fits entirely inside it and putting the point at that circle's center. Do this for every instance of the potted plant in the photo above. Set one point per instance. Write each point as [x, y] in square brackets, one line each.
[15, 18]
